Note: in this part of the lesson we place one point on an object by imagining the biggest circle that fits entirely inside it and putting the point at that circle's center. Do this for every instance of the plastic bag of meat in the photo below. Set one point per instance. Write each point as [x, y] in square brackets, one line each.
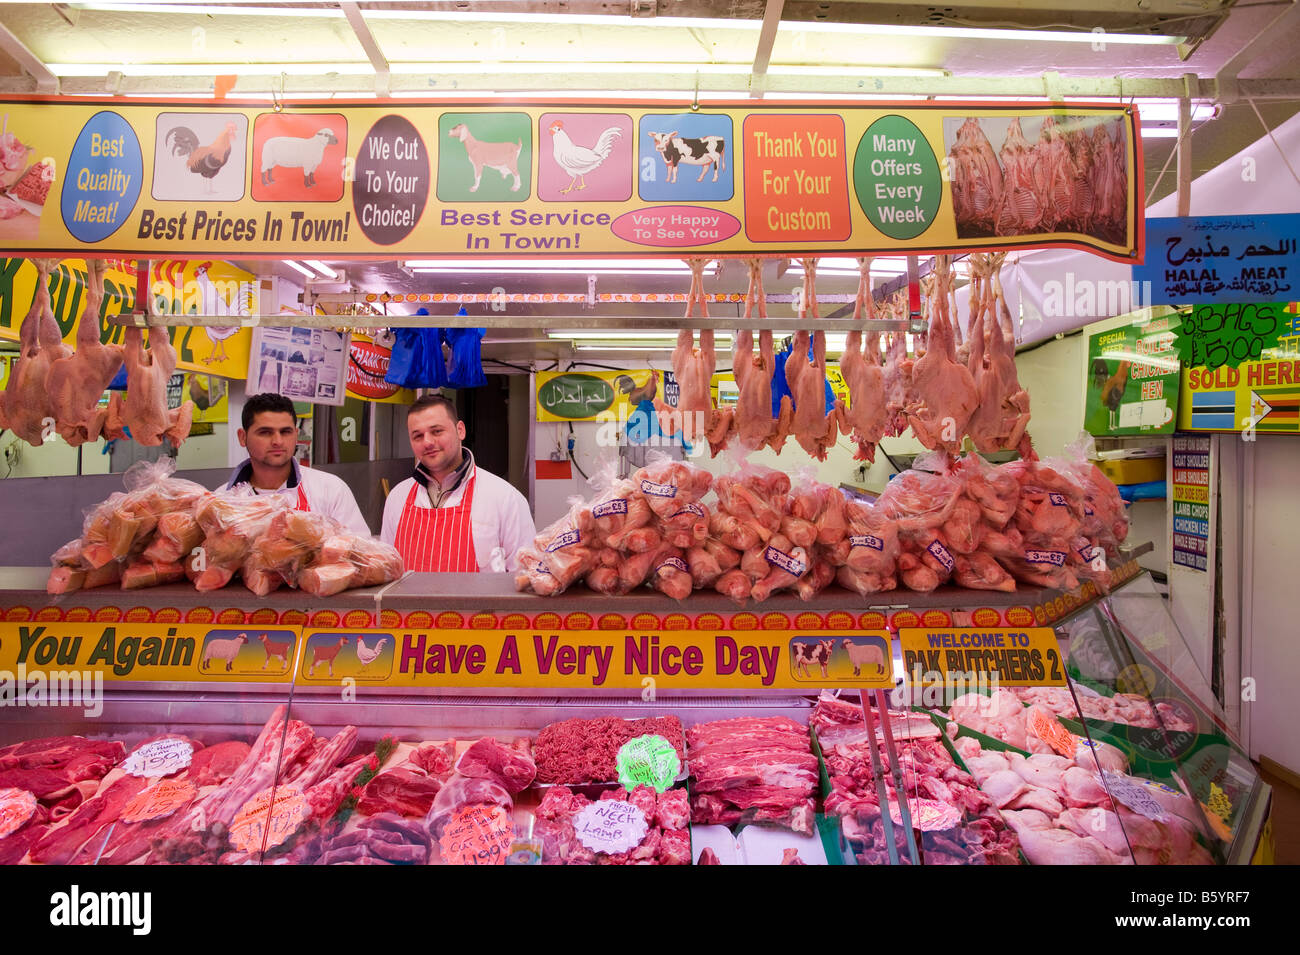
[920, 502]
[614, 511]
[667, 485]
[348, 561]
[995, 491]
[561, 554]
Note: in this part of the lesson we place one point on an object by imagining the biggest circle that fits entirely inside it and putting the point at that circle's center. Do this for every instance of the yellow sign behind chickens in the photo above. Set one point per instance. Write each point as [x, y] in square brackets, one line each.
[188, 288]
[976, 657]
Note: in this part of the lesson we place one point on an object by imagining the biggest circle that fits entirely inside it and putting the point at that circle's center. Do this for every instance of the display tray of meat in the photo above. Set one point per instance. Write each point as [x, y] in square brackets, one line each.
[1065, 814]
[753, 770]
[579, 752]
[560, 820]
[954, 822]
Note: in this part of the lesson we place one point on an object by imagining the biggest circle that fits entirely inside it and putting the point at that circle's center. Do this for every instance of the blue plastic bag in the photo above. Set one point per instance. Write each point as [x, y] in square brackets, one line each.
[465, 369]
[416, 361]
[781, 387]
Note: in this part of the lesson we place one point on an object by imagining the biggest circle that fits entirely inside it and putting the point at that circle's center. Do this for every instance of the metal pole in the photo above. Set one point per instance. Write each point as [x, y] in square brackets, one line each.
[881, 793]
[904, 811]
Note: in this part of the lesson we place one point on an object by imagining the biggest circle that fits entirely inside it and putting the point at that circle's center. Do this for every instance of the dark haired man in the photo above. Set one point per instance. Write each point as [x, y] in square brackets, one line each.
[452, 516]
[270, 434]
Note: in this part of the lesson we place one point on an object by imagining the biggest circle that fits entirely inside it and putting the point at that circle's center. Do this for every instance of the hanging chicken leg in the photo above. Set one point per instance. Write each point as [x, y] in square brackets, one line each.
[145, 409]
[693, 368]
[814, 428]
[76, 383]
[754, 422]
[865, 418]
[25, 406]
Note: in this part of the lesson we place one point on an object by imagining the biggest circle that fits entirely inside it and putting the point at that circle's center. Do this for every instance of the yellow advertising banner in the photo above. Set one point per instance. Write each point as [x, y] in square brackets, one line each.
[151, 652]
[178, 288]
[351, 180]
[604, 659]
[725, 392]
[976, 657]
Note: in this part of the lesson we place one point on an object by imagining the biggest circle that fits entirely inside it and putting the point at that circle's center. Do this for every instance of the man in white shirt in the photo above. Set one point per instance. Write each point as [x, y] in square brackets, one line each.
[270, 434]
[452, 516]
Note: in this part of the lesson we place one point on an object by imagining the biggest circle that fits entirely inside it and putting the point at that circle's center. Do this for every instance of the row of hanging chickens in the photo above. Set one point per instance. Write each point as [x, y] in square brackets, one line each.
[943, 392]
[982, 527]
[55, 391]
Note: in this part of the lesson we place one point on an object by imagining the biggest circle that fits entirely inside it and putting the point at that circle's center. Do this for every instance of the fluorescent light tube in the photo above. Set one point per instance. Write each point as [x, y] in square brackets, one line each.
[301, 268]
[322, 268]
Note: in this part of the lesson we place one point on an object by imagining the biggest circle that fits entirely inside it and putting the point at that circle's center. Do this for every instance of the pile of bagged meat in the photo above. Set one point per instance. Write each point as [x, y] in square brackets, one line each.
[1046, 523]
[165, 529]
[974, 834]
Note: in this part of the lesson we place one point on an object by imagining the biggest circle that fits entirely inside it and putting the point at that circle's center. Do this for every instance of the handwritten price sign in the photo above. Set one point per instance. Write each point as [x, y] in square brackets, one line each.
[1051, 732]
[162, 757]
[610, 826]
[477, 835]
[261, 822]
[649, 760]
[158, 801]
[1216, 335]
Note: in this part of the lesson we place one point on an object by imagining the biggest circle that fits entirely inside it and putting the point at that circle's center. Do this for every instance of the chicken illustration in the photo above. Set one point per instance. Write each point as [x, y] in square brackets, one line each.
[1112, 390]
[212, 302]
[579, 161]
[76, 383]
[367, 655]
[205, 161]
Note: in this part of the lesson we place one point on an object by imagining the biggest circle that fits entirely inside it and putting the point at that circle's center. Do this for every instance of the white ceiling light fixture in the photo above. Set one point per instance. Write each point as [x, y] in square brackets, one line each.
[299, 268]
[322, 268]
[549, 265]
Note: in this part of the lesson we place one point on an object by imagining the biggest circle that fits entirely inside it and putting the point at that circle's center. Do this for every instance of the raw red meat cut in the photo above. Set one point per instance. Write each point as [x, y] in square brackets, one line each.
[581, 751]
[488, 759]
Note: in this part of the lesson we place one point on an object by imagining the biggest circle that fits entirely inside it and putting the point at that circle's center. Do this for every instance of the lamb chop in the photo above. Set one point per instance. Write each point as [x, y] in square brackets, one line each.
[25, 407]
[865, 418]
[753, 415]
[814, 428]
[145, 409]
[76, 383]
[693, 368]
[945, 389]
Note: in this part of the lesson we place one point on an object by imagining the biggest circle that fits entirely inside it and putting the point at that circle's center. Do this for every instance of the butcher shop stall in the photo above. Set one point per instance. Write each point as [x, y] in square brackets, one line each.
[851, 545]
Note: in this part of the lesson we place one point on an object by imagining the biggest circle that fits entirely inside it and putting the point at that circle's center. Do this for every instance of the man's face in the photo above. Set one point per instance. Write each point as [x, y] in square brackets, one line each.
[435, 439]
[270, 439]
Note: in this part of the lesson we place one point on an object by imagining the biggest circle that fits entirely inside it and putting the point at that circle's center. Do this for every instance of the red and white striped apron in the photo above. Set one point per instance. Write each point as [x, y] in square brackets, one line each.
[302, 501]
[439, 540]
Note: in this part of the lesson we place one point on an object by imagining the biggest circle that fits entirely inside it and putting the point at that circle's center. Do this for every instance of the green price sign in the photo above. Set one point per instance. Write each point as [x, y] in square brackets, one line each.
[1213, 336]
[649, 761]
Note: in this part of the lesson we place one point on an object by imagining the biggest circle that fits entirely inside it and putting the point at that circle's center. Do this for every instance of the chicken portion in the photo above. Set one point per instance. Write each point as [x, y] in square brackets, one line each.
[144, 410]
[1000, 419]
[26, 408]
[945, 390]
[754, 423]
[693, 368]
[76, 383]
[866, 418]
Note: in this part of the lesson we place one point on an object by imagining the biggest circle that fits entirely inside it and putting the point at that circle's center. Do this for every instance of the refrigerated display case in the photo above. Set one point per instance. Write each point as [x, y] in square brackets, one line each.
[400, 692]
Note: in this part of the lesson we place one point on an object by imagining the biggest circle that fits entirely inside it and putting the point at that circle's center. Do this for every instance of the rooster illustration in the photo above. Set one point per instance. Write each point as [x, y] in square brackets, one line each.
[1112, 390]
[205, 161]
[579, 161]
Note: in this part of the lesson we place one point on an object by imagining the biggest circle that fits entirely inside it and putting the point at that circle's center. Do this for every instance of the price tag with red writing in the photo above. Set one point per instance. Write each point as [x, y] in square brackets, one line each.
[259, 822]
[1051, 732]
[16, 807]
[928, 815]
[158, 801]
[162, 757]
[477, 835]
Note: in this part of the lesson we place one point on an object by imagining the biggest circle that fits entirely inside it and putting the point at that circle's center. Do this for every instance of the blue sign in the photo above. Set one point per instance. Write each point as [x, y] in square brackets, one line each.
[103, 180]
[1220, 259]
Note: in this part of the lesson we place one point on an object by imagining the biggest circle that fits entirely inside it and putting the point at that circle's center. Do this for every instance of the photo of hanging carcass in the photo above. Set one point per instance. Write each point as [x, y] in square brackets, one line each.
[1048, 174]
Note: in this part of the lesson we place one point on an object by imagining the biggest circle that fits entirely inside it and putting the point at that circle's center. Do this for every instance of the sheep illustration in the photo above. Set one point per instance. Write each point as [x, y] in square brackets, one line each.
[296, 152]
[860, 655]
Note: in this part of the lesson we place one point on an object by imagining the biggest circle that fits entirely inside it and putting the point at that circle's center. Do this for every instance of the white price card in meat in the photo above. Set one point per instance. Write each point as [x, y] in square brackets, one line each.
[160, 758]
[610, 826]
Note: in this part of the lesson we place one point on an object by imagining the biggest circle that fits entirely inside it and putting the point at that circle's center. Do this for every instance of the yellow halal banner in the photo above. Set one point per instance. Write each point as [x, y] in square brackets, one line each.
[604, 659]
[402, 178]
[178, 288]
[151, 652]
[945, 657]
[596, 394]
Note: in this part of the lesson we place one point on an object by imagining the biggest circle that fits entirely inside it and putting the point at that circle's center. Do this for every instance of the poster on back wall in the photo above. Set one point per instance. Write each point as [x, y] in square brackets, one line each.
[1132, 384]
[337, 179]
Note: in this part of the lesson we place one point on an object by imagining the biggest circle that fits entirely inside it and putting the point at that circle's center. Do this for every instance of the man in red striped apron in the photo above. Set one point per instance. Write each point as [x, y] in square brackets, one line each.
[451, 516]
[270, 435]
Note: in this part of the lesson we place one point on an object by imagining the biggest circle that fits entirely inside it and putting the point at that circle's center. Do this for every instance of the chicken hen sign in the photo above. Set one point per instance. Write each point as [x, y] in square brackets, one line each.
[369, 179]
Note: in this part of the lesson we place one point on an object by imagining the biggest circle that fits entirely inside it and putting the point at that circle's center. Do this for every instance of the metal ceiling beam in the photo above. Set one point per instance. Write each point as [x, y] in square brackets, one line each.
[738, 86]
[1281, 28]
[766, 40]
[368, 43]
[46, 82]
